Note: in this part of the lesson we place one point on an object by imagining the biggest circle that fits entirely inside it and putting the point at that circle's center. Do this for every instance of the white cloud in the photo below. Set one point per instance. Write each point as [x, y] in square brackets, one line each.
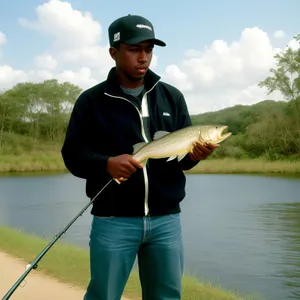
[2, 38]
[293, 44]
[193, 53]
[82, 77]
[76, 35]
[279, 34]
[69, 27]
[225, 74]
[2, 41]
[9, 76]
[46, 61]
[76, 48]
[154, 62]
[219, 75]
[75, 53]
[179, 78]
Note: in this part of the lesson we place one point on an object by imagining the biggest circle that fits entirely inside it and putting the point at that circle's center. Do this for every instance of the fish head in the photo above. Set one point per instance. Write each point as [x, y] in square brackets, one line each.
[214, 133]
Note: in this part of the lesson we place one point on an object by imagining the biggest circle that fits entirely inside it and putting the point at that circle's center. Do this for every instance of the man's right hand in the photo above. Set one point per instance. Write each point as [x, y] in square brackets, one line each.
[121, 167]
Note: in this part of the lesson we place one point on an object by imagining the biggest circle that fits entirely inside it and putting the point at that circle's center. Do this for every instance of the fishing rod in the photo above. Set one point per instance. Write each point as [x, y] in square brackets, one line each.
[34, 265]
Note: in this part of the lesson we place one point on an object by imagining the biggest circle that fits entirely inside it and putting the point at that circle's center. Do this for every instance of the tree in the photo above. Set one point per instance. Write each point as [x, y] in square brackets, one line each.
[282, 131]
[286, 76]
[38, 110]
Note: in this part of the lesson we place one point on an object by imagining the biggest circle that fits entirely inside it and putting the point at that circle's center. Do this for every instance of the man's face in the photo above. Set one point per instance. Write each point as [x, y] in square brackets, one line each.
[133, 60]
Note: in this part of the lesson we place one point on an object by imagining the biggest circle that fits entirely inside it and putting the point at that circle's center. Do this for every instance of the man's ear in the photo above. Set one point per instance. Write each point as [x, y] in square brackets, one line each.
[113, 53]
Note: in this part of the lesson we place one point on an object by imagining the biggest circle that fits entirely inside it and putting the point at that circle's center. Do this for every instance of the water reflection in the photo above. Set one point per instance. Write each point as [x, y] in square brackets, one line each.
[282, 220]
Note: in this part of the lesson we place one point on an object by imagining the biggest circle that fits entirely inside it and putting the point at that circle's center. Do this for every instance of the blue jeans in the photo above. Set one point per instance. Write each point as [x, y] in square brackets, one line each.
[115, 242]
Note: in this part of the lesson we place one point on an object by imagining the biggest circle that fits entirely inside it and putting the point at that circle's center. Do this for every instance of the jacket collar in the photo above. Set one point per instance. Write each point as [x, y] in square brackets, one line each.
[151, 79]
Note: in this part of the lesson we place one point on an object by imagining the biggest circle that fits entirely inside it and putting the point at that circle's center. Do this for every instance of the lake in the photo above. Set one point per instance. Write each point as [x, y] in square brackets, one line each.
[241, 232]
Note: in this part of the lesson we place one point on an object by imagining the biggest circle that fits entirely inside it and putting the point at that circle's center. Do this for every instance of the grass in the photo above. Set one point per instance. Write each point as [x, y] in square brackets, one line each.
[21, 153]
[31, 162]
[70, 264]
[52, 161]
[247, 166]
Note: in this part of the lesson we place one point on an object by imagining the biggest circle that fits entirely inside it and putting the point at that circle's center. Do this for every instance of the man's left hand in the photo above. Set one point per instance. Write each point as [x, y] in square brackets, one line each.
[201, 152]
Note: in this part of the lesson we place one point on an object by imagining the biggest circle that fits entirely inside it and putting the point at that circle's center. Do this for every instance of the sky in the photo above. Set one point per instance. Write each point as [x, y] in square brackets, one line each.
[216, 52]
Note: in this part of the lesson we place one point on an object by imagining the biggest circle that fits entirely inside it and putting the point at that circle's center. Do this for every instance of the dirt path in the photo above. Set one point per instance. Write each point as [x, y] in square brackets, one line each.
[35, 286]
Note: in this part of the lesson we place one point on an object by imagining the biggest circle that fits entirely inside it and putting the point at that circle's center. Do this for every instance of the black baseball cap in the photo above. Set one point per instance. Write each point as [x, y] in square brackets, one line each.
[132, 29]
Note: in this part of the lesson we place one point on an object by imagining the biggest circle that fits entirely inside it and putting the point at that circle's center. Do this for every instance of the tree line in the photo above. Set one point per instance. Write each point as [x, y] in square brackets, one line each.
[40, 113]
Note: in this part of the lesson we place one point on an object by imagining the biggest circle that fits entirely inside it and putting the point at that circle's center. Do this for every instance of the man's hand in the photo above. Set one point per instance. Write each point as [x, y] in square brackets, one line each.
[201, 152]
[121, 167]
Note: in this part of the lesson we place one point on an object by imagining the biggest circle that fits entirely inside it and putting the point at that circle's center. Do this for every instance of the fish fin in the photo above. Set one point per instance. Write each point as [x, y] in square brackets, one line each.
[181, 156]
[138, 146]
[159, 134]
[171, 157]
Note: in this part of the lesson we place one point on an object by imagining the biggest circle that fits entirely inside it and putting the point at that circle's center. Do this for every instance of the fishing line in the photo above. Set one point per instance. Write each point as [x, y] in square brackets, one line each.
[34, 265]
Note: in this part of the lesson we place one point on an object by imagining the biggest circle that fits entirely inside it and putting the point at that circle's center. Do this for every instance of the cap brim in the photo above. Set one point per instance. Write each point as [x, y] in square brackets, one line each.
[134, 41]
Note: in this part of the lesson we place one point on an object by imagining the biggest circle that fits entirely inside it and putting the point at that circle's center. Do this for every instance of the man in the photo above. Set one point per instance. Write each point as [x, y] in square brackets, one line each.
[141, 215]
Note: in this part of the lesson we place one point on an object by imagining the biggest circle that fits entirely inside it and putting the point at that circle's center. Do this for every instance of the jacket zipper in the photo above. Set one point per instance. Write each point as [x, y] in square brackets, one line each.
[146, 206]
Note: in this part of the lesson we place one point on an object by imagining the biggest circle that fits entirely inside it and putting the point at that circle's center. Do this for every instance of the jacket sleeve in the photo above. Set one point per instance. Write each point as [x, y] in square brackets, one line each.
[77, 153]
[185, 120]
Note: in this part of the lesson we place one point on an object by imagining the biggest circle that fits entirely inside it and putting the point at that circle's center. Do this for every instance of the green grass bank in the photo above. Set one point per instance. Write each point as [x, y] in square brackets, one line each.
[21, 153]
[52, 161]
[247, 166]
[70, 264]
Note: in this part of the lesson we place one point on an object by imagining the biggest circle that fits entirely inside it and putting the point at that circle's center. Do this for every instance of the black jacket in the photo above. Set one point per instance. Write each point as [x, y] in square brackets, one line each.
[104, 123]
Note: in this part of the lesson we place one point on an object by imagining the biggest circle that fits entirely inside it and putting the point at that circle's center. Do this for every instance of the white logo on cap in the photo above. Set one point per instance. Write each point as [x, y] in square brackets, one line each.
[144, 26]
[116, 36]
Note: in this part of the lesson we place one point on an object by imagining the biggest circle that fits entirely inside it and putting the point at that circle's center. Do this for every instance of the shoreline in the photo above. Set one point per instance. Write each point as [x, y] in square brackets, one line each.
[248, 166]
[68, 265]
[53, 163]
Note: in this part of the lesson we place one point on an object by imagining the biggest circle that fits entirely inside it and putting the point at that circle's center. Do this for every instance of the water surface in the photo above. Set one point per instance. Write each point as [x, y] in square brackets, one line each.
[242, 232]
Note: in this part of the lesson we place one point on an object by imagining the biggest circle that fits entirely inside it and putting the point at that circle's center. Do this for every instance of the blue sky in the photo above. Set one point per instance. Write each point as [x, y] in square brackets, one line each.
[182, 25]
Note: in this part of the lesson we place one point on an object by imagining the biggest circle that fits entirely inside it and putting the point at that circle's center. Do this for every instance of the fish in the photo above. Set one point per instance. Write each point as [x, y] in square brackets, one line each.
[178, 143]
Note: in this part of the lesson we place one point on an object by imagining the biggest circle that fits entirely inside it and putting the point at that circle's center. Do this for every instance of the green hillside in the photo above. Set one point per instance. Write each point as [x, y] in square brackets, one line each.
[269, 129]
[239, 117]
